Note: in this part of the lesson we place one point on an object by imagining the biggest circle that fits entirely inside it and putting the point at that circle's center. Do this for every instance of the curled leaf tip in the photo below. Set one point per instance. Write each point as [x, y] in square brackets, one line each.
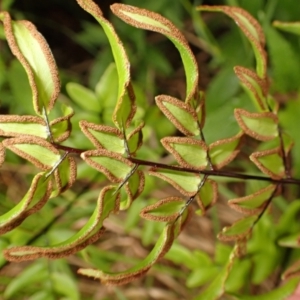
[145, 19]
[90, 7]
[252, 30]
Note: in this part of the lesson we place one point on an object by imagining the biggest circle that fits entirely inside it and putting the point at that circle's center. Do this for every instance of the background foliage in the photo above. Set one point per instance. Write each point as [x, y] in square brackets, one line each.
[81, 51]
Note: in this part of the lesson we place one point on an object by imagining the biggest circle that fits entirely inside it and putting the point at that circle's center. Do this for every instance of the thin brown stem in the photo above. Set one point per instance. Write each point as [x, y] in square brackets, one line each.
[217, 173]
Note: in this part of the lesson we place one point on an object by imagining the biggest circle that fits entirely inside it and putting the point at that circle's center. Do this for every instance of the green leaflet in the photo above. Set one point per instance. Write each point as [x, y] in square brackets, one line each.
[113, 165]
[251, 29]
[31, 49]
[61, 127]
[186, 183]
[84, 97]
[142, 18]
[135, 139]
[254, 86]
[134, 188]
[261, 126]
[102, 136]
[222, 152]
[293, 27]
[180, 114]
[12, 125]
[35, 198]
[208, 195]
[254, 203]
[162, 245]
[237, 230]
[188, 152]
[111, 138]
[125, 107]
[269, 162]
[65, 175]
[165, 210]
[107, 203]
[36, 150]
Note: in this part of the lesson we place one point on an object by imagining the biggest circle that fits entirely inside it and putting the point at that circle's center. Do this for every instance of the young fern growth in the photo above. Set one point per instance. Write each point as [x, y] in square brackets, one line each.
[39, 140]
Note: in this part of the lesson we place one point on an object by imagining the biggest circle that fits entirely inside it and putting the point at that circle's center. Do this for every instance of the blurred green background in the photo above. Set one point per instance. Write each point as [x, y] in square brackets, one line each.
[82, 54]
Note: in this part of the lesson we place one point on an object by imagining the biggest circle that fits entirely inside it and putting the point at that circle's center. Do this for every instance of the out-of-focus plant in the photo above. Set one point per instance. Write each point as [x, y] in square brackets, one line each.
[109, 139]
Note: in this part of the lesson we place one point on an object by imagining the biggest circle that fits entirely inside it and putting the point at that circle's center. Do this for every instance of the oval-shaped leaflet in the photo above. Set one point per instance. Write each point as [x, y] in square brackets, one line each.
[188, 152]
[164, 210]
[237, 230]
[181, 114]
[261, 126]
[13, 125]
[222, 152]
[103, 137]
[65, 175]
[269, 162]
[83, 96]
[135, 139]
[145, 19]
[293, 27]
[186, 183]
[254, 203]
[134, 188]
[252, 30]
[108, 202]
[162, 246]
[61, 126]
[125, 107]
[113, 165]
[36, 197]
[207, 195]
[34, 149]
[32, 50]
[256, 87]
